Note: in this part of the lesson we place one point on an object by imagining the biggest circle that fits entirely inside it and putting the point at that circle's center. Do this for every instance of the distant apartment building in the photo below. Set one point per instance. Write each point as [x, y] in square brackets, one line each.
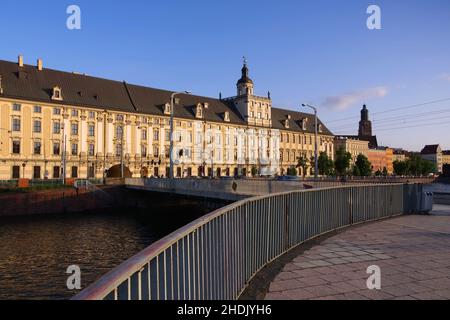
[399, 155]
[446, 157]
[434, 154]
[354, 146]
[382, 158]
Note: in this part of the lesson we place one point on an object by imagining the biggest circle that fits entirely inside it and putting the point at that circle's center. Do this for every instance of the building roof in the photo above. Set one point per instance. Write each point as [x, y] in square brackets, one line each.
[446, 152]
[430, 149]
[29, 83]
[279, 117]
[373, 141]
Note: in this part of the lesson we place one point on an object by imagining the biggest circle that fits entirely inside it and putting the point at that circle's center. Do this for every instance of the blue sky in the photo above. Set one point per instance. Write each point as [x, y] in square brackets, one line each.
[319, 52]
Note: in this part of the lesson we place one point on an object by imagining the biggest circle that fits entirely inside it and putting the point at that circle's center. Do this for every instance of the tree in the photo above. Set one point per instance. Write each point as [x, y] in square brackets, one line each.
[342, 162]
[363, 165]
[254, 171]
[292, 171]
[303, 163]
[401, 168]
[428, 167]
[385, 172]
[325, 164]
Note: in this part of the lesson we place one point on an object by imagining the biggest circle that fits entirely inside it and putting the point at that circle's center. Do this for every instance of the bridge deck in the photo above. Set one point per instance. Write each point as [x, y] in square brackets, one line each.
[413, 253]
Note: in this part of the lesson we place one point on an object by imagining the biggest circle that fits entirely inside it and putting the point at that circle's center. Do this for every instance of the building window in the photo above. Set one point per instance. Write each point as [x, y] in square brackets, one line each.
[91, 172]
[16, 172]
[37, 147]
[167, 109]
[91, 130]
[56, 148]
[74, 129]
[56, 127]
[156, 151]
[119, 117]
[57, 93]
[119, 132]
[143, 150]
[37, 126]
[56, 111]
[36, 172]
[74, 149]
[118, 150]
[167, 135]
[56, 172]
[199, 111]
[144, 134]
[91, 149]
[74, 172]
[16, 147]
[17, 107]
[91, 115]
[156, 135]
[37, 109]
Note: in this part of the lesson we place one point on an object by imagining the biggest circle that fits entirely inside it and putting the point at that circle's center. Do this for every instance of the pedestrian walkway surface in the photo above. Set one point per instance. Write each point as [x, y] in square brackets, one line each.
[413, 253]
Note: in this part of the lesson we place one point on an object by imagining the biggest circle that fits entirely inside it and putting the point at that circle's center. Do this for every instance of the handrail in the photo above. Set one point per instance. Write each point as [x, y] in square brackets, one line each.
[213, 257]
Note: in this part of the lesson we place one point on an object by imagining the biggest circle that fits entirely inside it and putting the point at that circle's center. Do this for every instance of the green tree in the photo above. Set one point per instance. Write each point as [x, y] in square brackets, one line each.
[356, 171]
[401, 168]
[342, 161]
[428, 167]
[325, 164]
[363, 165]
[415, 165]
[385, 172]
[292, 171]
[254, 171]
[303, 163]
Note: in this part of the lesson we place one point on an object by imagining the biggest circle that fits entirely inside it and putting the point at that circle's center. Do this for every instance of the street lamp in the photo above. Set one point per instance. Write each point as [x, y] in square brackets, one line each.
[316, 164]
[172, 98]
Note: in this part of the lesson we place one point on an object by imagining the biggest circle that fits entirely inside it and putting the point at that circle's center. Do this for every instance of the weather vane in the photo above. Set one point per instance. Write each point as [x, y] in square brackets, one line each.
[245, 60]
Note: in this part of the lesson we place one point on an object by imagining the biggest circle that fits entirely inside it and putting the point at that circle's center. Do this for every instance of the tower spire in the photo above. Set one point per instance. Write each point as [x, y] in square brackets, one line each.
[245, 84]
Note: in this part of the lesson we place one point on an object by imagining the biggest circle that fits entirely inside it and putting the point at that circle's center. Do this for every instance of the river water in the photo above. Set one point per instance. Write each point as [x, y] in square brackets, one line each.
[36, 251]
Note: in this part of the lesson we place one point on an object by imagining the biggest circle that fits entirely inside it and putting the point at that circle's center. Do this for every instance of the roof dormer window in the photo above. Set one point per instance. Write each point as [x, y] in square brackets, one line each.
[199, 111]
[57, 94]
[1, 84]
[167, 109]
[320, 128]
[286, 123]
[304, 122]
[226, 116]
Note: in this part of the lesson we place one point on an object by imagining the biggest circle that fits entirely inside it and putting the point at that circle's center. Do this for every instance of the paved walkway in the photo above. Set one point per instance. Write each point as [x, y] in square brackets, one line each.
[413, 253]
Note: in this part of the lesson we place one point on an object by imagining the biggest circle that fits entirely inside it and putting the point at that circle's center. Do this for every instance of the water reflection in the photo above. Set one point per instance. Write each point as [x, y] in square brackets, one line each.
[35, 251]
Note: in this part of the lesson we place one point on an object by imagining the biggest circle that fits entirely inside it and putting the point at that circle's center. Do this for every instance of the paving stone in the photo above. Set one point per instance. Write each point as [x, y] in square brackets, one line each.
[320, 263]
[413, 257]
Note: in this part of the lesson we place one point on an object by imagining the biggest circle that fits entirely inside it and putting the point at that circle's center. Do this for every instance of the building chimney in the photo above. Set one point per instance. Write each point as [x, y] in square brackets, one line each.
[39, 64]
[20, 62]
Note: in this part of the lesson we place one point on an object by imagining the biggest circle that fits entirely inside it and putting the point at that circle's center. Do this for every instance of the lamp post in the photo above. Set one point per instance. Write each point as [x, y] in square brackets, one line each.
[172, 98]
[316, 163]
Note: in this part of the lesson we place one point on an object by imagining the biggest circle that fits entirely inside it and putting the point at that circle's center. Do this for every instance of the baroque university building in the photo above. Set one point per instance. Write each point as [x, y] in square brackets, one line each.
[54, 122]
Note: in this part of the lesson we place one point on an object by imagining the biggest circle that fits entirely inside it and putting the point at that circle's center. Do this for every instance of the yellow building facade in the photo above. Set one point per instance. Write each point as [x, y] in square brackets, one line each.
[55, 123]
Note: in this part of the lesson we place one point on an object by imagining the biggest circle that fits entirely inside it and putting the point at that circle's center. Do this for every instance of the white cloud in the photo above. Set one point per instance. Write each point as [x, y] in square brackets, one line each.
[345, 101]
[445, 76]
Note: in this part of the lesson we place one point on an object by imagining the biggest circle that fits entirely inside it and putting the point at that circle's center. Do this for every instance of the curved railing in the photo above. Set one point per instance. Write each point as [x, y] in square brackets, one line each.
[217, 255]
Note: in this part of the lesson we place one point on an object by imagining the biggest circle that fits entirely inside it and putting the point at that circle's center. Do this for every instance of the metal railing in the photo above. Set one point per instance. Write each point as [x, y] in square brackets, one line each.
[217, 255]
